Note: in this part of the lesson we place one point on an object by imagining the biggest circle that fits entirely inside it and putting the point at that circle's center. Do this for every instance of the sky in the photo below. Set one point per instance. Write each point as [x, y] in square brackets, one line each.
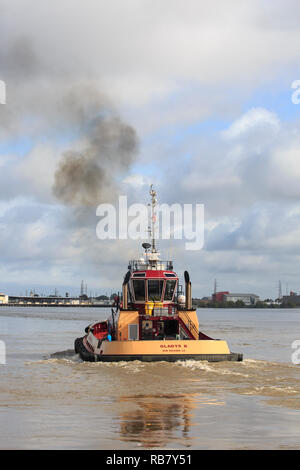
[105, 98]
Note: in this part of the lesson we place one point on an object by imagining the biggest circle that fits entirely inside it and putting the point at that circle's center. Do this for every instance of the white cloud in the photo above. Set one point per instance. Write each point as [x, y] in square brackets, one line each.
[140, 50]
[36, 171]
[252, 120]
[137, 180]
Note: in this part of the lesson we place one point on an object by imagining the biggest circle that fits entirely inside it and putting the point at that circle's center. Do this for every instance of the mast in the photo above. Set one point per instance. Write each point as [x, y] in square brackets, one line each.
[151, 227]
[152, 256]
[279, 290]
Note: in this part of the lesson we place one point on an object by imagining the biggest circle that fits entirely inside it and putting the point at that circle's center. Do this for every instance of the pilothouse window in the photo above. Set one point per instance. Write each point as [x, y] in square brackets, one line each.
[170, 287]
[155, 288]
[139, 289]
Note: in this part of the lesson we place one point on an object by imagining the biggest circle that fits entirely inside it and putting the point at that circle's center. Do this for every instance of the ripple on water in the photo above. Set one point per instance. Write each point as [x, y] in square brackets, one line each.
[250, 377]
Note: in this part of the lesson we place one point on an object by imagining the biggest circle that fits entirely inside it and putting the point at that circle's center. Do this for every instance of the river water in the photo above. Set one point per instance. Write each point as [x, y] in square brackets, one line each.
[50, 399]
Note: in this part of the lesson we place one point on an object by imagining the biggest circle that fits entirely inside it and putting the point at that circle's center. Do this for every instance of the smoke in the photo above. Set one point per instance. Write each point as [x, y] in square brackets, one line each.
[67, 107]
[91, 176]
[54, 97]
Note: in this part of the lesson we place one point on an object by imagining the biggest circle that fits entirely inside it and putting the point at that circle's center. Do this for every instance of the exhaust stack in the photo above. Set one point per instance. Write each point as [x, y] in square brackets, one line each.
[125, 296]
[125, 291]
[188, 291]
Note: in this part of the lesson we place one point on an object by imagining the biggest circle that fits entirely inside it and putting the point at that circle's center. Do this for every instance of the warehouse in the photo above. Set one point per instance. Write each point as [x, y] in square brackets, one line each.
[248, 299]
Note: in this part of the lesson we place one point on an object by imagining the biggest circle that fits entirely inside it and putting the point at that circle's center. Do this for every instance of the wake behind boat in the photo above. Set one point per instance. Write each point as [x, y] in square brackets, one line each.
[154, 321]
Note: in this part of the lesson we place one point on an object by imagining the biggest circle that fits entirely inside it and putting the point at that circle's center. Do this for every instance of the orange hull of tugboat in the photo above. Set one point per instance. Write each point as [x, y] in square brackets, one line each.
[176, 350]
[93, 349]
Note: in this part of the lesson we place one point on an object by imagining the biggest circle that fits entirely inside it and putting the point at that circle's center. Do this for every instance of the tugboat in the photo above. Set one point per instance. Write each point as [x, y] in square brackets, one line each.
[154, 320]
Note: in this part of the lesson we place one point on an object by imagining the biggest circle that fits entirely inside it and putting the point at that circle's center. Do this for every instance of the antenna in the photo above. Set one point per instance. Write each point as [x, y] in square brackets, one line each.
[279, 290]
[151, 228]
[215, 286]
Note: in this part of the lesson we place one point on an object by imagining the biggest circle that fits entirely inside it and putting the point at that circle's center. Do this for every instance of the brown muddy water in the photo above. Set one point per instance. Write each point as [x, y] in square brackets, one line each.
[50, 399]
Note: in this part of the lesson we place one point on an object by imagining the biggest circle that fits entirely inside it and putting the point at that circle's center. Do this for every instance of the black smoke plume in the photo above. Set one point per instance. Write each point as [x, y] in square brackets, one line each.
[49, 102]
[91, 176]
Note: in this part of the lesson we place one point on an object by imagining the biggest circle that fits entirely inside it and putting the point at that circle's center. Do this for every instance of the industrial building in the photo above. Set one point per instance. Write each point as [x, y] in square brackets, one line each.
[248, 299]
[51, 300]
[3, 299]
[219, 296]
[293, 298]
[45, 300]
[225, 296]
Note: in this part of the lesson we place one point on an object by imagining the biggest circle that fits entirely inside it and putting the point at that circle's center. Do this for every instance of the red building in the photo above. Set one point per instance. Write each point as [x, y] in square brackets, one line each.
[219, 296]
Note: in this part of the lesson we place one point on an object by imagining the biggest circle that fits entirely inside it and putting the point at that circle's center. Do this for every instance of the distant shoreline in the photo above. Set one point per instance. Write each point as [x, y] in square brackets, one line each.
[266, 307]
[57, 305]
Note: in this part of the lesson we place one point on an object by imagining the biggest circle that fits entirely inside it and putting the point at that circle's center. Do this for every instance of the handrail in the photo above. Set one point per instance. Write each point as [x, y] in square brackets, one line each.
[185, 328]
[190, 325]
[137, 265]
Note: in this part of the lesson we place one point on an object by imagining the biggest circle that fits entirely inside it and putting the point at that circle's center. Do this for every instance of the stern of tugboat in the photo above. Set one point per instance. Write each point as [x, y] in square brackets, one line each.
[156, 322]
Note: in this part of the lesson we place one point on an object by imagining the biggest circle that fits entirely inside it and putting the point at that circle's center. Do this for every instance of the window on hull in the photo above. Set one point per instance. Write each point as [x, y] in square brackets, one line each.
[169, 291]
[155, 288]
[139, 289]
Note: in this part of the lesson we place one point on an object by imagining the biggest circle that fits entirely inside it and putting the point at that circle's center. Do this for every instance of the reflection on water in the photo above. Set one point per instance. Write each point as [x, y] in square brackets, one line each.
[156, 420]
[160, 419]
